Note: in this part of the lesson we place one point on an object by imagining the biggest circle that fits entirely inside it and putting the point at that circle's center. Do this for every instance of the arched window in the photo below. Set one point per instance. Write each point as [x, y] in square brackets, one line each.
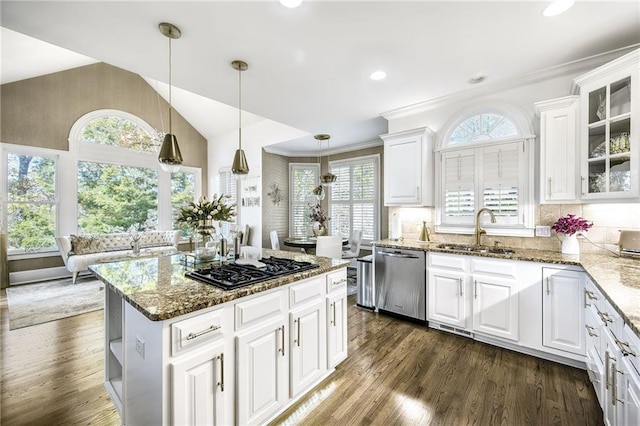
[485, 162]
[116, 128]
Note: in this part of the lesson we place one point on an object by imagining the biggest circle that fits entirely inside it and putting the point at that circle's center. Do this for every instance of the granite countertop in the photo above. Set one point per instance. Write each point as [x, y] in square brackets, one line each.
[617, 277]
[157, 287]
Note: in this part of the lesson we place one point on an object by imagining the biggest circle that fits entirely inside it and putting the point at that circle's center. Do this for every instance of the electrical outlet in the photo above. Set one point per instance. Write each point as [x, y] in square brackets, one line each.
[140, 346]
[543, 231]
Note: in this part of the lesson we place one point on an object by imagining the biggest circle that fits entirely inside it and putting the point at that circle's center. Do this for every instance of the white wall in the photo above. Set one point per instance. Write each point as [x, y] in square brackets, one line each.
[220, 152]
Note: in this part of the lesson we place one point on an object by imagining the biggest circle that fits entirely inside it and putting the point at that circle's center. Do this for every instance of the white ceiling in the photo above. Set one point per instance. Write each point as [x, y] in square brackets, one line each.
[309, 67]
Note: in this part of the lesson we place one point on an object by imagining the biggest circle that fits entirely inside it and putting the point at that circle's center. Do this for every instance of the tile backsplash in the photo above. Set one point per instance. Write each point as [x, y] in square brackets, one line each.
[607, 220]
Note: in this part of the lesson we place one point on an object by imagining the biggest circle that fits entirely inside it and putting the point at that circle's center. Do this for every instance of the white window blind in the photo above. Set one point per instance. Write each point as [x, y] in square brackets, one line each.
[353, 197]
[303, 178]
[228, 185]
[500, 181]
[459, 186]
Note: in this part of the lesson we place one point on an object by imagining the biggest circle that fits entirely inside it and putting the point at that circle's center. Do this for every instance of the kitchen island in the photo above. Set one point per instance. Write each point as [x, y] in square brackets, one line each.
[178, 351]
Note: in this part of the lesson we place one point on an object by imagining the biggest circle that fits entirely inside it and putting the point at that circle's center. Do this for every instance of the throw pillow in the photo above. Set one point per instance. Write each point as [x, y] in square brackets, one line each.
[85, 245]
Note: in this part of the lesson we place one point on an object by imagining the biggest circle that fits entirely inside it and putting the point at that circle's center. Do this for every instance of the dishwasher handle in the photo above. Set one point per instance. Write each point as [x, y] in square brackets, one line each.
[401, 255]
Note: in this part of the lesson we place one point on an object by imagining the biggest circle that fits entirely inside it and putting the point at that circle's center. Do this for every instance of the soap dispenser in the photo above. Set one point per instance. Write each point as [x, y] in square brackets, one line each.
[424, 234]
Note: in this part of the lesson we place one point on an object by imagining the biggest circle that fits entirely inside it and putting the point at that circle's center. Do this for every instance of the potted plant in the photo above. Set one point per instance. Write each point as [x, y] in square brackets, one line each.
[571, 226]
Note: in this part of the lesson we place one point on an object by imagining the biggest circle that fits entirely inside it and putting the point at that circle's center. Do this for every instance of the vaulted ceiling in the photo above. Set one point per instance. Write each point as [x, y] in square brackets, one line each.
[309, 67]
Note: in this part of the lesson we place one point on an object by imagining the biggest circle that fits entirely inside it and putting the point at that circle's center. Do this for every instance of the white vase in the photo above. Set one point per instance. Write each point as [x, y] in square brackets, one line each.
[570, 244]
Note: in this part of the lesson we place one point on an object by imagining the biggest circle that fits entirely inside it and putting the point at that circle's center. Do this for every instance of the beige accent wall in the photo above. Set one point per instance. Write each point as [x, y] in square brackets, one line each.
[275, 170]
[40, 112]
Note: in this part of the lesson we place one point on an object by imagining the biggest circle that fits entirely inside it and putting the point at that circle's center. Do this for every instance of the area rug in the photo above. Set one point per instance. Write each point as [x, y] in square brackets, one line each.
[31, 304]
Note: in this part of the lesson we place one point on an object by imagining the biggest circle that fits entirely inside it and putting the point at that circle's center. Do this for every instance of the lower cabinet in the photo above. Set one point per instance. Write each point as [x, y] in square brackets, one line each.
[261, 371]
[197, 387]
[336, 327]
[447, 299]
[495, 306]
[563, 310]
[308, 340]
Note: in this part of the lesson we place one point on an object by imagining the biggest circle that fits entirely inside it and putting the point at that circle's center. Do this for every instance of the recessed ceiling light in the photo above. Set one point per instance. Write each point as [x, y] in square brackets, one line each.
[557, 7]
[477, 79]
[378, 75]
[291, 3]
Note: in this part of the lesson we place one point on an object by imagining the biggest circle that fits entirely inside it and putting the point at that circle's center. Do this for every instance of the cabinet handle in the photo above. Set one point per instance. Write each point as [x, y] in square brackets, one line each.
[582, 184]
[607, 361]
[625, 348]
[221, 382]
[549, 189]
[614, 386]
[333, 318]
[548, 286]
[591, 331]
[297, 341]
[460, 285]
[604, 316]
[589, 295]
[211, 329]
[417, 191]
[475, 289]
[343, 280]
[282, 340]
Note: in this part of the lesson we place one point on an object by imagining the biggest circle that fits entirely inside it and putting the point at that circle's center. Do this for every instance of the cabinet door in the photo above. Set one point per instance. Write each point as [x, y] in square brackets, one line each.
[447, 301]
[632, 397]
[563, 310]
[558, 147]
[403, 170]
[613, 378]
[336, 328]
[197, 387]
[308, 345]
[261, 370]
[495, 306]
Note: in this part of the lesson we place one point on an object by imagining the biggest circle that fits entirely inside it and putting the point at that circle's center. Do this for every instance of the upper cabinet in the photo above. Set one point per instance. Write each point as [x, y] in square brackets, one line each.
[408, 168]
[559, 181]
[609, 129]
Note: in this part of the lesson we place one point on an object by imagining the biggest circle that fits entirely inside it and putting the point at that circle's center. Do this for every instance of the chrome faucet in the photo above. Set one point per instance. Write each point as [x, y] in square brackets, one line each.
[480, 231]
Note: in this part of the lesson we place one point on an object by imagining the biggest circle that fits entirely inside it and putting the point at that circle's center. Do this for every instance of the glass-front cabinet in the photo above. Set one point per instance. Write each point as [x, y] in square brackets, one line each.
[609, 129]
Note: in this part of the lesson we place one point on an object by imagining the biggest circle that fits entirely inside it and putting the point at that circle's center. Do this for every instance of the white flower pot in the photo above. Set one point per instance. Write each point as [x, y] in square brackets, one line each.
[570, 244]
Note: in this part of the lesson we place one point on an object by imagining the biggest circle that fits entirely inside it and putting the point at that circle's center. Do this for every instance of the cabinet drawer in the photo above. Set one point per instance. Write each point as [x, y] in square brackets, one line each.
[336, 280]
[592, 296]
[306, 291]
[192, 332]
[259, 309]
[451, 262]
[493, 267]
[631, 345]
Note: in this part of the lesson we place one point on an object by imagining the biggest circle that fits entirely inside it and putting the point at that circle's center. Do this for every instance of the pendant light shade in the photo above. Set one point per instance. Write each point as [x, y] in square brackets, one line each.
[326, 179]
[170, 157]
[240, 165]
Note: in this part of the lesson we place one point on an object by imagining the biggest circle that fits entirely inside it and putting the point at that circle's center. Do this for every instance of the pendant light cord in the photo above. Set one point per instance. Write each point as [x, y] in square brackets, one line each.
[170, 104]
[240, 108]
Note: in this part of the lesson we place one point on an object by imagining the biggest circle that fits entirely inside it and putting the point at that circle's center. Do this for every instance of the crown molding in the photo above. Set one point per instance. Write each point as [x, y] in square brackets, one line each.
[632, 58]
[271, 149]
[551, 104]
[568, 68]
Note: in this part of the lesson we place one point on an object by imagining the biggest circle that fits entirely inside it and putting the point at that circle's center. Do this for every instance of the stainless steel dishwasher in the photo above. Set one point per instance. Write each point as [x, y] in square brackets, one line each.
[401, 285]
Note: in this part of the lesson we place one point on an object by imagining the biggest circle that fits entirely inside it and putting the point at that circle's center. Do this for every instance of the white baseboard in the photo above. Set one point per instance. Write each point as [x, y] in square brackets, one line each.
[24, 277]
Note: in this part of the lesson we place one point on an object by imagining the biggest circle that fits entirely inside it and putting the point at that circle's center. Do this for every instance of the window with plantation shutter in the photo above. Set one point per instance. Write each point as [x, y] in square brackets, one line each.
[501, 181]
[353, 202]
[228, 187]
[303, 178]
[459, 186]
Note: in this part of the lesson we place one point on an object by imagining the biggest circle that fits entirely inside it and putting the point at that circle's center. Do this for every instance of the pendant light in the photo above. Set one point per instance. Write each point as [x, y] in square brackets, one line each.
[170, 157]
[240, 166]
[326, 179]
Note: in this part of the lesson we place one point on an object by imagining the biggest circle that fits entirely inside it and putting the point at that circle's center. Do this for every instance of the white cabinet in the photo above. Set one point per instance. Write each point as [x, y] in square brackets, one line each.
[558, 147]
[114, 352]
[613, 379]
[261, 368]
[609, 129]
[308, 340]
[197, 387]
[408, 168]
[474, 294]
[336, 328]
[563, 310]
[495, 306]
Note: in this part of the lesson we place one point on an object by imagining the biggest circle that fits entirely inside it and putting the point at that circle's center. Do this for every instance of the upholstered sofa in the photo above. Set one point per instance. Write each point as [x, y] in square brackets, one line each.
[80, 251]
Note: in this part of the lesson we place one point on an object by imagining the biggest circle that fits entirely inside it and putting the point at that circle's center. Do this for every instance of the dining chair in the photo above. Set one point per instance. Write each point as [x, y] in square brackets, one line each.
[275, 242]
[354, 245]
[329, 246]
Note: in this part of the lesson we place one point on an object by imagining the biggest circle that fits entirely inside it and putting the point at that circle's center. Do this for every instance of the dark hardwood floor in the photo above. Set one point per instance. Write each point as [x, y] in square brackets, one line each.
[397, 373]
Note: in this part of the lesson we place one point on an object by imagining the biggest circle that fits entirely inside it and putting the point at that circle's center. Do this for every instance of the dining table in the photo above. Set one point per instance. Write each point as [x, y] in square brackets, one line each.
[306, 243]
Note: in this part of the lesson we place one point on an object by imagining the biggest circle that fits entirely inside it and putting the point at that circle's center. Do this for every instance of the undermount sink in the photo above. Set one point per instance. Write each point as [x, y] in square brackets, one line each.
[476, 249]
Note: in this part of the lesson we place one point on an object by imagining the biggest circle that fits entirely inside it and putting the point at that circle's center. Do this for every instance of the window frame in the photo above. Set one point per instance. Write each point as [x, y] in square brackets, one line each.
[12, 149]
[301, 166]
[351, 162]
[525, 225]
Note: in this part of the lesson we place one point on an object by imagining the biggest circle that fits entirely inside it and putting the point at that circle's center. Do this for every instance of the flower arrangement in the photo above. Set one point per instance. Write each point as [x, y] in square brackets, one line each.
[216, 209]
[570, 224]
[318, 215]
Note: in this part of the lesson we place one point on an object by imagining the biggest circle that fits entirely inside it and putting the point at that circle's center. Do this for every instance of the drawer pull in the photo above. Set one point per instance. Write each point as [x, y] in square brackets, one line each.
[211, 329]
[342, 281]
[625, 348]
[591, 331]
[605, 317]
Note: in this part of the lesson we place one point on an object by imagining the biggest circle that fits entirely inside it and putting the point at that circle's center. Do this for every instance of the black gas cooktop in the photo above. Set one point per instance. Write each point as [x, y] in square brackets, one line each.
[230, 276]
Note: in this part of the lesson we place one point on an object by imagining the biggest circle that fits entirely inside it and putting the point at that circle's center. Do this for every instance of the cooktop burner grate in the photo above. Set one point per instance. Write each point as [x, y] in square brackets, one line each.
[231, 276]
